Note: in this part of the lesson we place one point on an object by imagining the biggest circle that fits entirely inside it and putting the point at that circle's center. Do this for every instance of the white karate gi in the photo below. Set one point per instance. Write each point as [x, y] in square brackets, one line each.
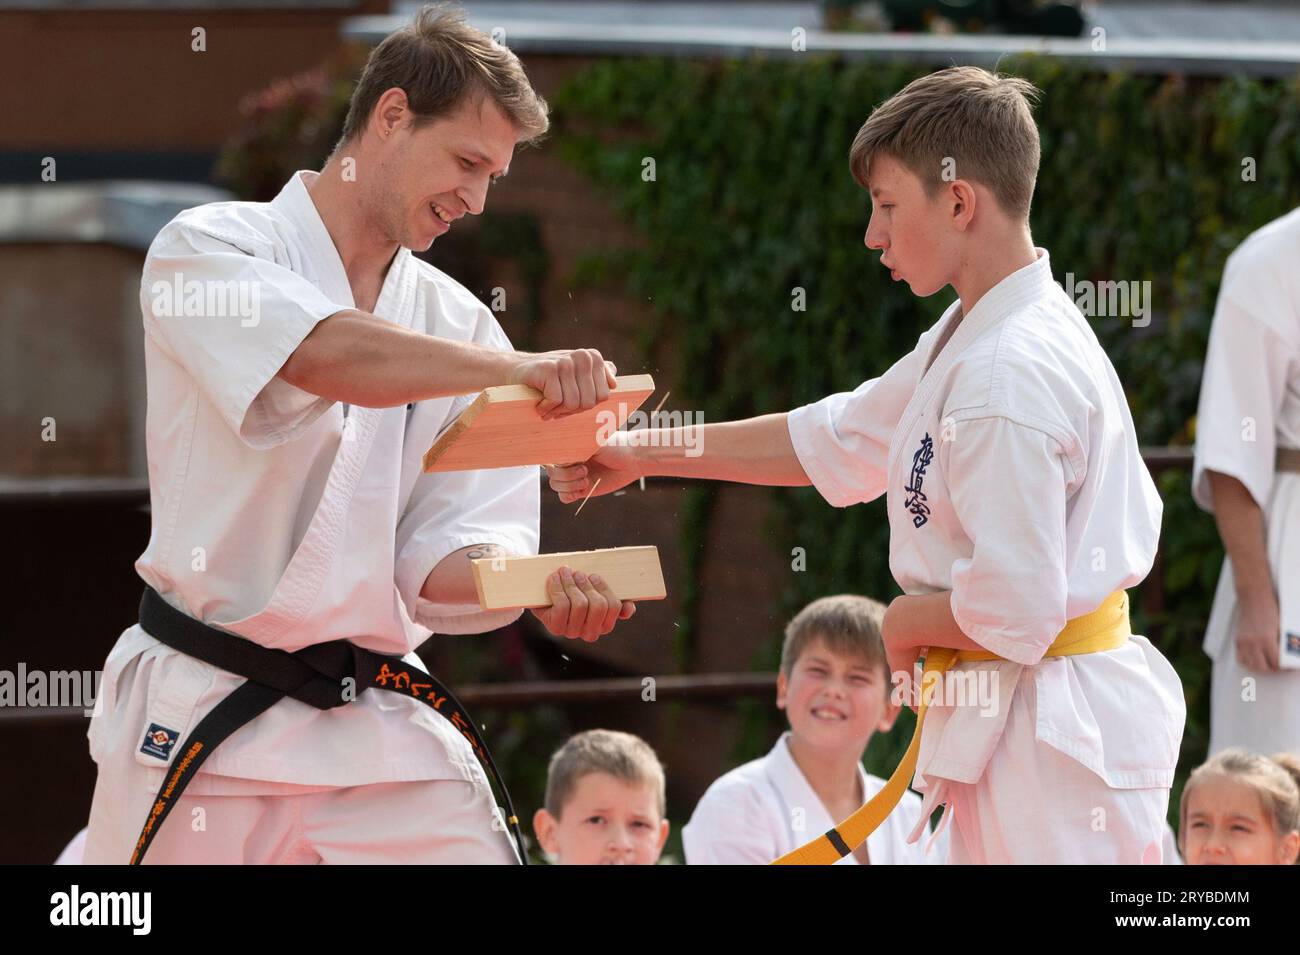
[760, 811]
[1171, 856]
[1250, 407]
[74, 851]
[292, 520]
[1014, 480]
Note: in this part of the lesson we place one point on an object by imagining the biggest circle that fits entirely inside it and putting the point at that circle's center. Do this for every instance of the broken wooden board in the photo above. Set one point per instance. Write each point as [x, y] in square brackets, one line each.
[502, 429]
[633, 573]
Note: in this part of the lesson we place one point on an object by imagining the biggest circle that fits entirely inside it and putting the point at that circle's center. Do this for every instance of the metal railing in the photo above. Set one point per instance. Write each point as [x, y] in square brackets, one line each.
[694, 687]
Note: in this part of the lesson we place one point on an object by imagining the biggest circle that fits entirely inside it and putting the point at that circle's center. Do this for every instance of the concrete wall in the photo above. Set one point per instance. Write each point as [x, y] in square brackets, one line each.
[70, 350]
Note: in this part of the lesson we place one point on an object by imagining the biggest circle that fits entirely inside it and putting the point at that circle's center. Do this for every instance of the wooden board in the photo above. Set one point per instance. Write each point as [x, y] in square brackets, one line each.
[633, 573]
[502, 428]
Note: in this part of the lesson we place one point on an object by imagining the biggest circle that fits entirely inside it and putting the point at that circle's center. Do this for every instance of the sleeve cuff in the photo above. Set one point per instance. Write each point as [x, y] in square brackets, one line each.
[270, 411]
[996, 640]
[801, 423]
[1259, 485]
[454, 618]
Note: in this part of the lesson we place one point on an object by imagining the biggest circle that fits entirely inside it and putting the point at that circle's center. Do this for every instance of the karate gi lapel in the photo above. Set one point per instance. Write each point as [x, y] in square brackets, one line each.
[799, 801]
[1022, 286]
[295, 595]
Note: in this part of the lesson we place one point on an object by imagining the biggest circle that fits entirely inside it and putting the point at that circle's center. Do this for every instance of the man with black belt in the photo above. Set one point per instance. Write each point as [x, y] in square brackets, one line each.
[299, 362]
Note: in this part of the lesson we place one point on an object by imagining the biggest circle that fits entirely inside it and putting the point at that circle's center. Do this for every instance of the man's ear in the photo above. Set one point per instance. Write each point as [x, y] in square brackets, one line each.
[390, 111]
[544, 825]
[961, 203]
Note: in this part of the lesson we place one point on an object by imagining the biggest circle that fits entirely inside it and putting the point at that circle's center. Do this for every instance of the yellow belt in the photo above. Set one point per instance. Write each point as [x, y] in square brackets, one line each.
[1106, 628]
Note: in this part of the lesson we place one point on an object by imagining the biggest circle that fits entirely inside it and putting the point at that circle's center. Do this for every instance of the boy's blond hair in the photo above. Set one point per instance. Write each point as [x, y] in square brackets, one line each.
[621, 755]
[1275, 780]
[958, 123]
[847, 624]
[437, 60]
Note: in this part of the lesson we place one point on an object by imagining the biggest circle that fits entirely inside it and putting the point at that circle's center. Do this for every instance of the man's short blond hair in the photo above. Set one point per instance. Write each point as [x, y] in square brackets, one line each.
[438, 60]
[958, 123]
[848, 625]
[618, 754]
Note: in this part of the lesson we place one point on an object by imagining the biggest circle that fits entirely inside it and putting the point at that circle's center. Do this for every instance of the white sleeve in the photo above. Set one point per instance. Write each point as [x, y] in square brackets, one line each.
[1250, 358]
[729, 827]
[221, 308]
[843, 440]
[1007, 482]
[454, 509]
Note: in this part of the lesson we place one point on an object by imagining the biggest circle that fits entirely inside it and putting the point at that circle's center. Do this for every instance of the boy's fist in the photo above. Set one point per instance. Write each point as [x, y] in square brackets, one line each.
[615, 466]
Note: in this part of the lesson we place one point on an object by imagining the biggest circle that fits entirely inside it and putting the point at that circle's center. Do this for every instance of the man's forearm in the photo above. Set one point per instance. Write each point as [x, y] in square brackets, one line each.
[752, 451]
[452, 579]
[1241, 527]
[361, 359]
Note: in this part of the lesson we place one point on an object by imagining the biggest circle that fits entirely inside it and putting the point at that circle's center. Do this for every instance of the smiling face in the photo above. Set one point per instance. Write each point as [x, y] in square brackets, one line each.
[425, 179]
[605, 821]
[1226, 825]
[835, 702]
[917, 234]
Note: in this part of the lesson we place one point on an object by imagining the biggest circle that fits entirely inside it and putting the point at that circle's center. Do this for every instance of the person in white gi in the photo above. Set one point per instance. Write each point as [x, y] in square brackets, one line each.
[1247, 473]
[299, 363]
[1017, 497]
[748, 817]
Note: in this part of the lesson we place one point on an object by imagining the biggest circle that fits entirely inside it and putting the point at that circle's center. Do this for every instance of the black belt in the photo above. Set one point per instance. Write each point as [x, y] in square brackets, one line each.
[317, 675]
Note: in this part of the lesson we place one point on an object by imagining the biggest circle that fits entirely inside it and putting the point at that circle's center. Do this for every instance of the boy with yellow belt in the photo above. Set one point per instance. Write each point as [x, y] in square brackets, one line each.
[1018, 502]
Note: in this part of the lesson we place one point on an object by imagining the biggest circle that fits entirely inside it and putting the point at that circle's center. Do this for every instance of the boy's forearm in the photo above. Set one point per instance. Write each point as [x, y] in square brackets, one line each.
[752, 451]
[926, 620]
[1241, 526]
[361, 359]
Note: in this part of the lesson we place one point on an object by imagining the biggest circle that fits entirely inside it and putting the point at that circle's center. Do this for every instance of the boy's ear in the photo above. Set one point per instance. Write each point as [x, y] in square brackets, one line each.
[663, 837]
[1290, 848]
[890, 714]
[544, 825]
[782, 687]
[893, 706]
[961, 199]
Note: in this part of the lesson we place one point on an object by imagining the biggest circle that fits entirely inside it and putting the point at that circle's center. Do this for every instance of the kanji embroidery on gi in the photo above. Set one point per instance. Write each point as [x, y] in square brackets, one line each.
[915, 501]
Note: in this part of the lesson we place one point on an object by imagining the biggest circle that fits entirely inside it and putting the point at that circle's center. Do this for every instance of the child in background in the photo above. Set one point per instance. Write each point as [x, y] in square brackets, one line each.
[1240, 808]
[605, 802]
[834, 686]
